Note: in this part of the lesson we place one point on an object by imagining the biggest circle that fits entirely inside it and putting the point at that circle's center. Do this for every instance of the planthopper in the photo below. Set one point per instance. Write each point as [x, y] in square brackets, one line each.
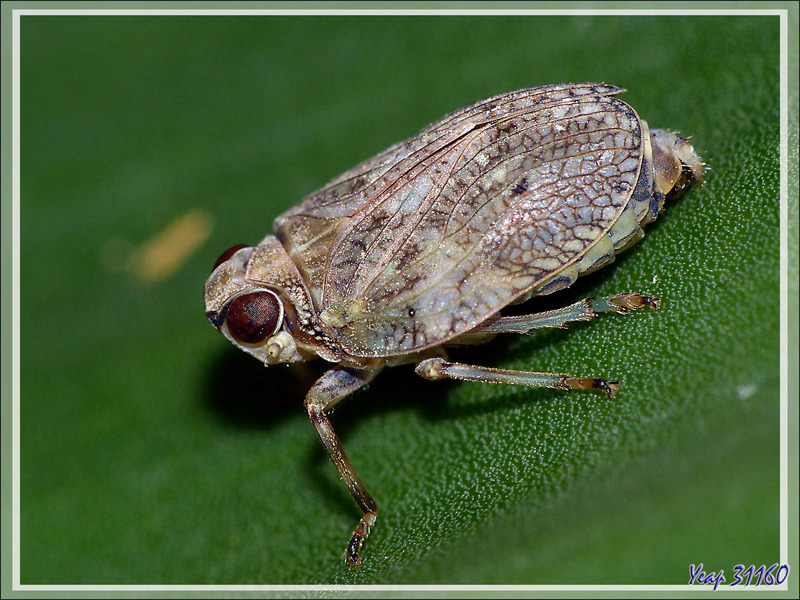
[426, 243]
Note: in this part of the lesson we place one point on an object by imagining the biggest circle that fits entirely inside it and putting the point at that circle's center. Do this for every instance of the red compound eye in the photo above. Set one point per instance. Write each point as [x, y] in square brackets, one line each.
[227, 254]
[254, 317]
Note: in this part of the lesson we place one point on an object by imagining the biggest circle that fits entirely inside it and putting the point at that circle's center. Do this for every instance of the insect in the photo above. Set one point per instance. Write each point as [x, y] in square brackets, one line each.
[424, 244]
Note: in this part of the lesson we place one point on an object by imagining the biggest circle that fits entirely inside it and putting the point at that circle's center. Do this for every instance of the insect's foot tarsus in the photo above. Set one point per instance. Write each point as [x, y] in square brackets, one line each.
[591, 383]
[352, 554]
[625, 303]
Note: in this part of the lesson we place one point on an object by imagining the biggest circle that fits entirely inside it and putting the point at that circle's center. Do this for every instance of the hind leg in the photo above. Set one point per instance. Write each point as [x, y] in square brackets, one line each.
[584, 310]
[438, 368]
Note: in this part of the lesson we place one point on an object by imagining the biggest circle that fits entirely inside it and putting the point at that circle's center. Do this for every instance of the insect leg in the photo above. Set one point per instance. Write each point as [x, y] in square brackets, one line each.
[438, 368]
[584, 310]
[329, 389]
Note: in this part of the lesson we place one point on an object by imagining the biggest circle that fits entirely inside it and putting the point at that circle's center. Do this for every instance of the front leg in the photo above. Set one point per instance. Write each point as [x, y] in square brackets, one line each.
[329, 389]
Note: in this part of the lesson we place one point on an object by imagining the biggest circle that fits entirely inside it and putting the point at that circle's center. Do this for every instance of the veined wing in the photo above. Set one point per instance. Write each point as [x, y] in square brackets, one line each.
[496, 198]
[310, 230]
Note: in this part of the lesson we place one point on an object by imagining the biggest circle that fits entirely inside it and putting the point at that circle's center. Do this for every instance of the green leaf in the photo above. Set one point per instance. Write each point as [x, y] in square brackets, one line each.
[152, 452]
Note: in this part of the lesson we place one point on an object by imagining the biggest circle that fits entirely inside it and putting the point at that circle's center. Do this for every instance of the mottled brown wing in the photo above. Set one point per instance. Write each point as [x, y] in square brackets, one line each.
[478, 209]
[308, 230]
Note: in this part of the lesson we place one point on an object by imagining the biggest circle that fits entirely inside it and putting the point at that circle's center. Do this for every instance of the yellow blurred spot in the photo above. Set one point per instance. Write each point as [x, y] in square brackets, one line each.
[162, 255]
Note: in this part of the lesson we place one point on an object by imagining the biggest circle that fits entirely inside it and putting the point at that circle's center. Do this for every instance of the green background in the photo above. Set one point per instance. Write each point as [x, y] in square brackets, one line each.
[154, 452]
